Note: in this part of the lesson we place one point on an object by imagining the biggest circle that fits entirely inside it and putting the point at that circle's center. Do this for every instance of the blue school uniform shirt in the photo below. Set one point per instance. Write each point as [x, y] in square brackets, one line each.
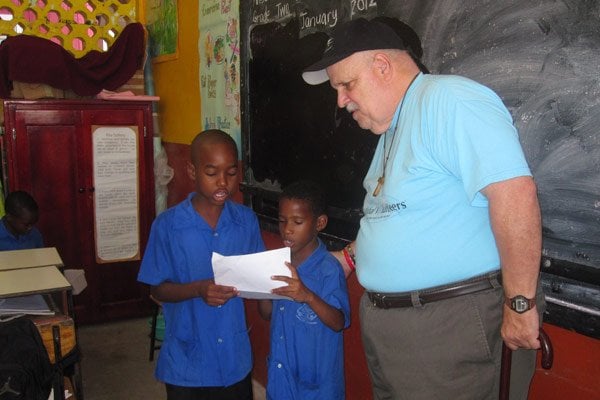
[203, 345]
[307, 358]
[30, 240]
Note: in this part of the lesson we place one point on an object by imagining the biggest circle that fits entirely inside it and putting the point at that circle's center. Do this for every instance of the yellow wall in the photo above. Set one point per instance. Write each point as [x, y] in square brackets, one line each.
[177, 81]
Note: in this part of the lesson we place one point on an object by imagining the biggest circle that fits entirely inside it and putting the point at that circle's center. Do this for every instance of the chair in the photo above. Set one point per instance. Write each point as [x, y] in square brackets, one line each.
[157, 323]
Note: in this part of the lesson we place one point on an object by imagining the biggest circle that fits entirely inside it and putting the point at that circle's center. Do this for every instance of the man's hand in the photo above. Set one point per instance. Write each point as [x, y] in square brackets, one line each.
[521, 331]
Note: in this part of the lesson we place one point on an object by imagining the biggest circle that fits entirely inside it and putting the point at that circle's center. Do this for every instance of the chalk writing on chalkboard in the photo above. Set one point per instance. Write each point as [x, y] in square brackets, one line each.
[311, 15]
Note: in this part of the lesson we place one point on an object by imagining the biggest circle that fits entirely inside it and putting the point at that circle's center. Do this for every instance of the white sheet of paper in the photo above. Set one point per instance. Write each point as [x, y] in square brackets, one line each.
[251, 273]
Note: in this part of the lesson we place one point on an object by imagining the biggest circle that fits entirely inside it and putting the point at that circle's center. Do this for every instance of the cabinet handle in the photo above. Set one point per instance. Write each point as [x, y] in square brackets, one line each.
[81, 190]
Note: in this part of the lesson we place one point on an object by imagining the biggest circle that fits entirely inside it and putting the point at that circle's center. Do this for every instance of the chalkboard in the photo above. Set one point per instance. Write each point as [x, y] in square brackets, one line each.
[293, 130]
[542, 57]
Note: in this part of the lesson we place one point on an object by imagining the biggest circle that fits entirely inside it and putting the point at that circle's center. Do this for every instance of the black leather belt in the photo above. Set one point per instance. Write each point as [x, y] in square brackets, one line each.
[437, 293]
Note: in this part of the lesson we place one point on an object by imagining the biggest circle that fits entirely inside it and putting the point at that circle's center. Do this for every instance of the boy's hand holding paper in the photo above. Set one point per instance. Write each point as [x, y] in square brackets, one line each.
[251, 274]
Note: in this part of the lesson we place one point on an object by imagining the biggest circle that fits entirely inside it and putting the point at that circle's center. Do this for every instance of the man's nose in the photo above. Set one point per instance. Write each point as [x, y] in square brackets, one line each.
[342, 98]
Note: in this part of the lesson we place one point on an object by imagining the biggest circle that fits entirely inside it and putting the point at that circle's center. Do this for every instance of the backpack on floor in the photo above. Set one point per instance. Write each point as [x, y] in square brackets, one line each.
[25, 369]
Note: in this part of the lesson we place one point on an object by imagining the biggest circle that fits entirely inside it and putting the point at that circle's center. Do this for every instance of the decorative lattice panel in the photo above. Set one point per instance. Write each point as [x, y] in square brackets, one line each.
[77, 25]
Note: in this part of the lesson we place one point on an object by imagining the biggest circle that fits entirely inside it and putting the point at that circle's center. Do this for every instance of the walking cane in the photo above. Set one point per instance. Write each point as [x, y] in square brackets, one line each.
[547, 359]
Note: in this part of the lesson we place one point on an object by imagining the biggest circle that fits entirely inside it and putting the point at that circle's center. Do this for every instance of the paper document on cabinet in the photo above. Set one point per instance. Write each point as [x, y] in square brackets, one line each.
[251, 273]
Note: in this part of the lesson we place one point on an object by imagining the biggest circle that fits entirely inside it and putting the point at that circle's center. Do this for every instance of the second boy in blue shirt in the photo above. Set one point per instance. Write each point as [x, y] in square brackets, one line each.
[306, 360]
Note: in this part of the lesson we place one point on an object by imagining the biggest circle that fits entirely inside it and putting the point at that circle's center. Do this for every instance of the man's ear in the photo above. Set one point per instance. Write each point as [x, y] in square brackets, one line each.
[321, 222]
[191, 170]
[382, 65]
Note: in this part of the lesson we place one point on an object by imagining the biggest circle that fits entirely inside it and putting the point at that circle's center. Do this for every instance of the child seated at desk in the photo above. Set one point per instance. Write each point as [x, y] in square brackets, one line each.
[17, 230]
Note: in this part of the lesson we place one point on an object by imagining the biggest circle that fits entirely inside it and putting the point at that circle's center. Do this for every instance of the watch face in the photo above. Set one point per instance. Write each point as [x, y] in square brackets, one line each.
[520, 304]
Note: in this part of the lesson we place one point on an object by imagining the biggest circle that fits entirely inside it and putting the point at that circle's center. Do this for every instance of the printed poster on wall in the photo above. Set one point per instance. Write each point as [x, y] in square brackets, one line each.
[219, 47]
[116, 211]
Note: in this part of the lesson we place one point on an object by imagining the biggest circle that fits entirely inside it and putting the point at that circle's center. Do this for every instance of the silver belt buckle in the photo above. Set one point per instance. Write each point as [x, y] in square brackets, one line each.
[375, 296]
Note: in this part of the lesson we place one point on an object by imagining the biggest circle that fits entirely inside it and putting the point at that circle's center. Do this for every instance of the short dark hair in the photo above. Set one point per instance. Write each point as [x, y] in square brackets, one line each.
[19, 201]
[308, 191]
[211, 136]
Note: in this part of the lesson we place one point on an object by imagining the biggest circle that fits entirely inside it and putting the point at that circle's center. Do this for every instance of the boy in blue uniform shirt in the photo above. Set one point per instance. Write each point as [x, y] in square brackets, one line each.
[206, 350]
[17, 230]
[306, 359]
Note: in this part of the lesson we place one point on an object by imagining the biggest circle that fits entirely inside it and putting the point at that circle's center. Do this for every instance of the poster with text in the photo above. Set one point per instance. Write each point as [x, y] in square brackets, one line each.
[219, 47]
[116, 198]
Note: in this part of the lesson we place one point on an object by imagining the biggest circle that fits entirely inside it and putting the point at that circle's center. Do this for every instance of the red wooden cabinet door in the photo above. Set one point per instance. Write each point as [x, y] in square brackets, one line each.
[50, 153]
[45, 153]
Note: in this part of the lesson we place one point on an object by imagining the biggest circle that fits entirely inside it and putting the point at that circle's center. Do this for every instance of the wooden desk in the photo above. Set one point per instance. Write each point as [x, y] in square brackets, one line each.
[21, 282]
[29, 258]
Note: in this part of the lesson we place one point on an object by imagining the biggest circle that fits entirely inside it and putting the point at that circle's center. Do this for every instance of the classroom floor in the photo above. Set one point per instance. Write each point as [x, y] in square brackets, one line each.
[115, 362]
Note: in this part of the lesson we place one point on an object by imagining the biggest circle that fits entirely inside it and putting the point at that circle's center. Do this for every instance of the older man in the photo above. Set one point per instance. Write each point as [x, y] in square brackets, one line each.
[449, 247]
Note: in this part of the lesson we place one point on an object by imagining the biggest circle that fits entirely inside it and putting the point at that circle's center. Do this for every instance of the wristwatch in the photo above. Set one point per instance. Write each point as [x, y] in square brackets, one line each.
[520, 303]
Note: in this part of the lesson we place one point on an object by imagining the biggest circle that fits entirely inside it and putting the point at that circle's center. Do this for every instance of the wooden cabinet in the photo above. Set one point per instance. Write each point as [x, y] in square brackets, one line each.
[89, 165]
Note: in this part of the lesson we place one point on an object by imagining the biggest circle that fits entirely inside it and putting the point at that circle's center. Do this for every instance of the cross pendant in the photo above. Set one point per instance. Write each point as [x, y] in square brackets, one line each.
[380, 182]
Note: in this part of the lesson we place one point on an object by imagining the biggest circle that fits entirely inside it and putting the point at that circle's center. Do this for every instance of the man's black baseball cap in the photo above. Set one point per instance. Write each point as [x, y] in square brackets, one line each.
[351, 37]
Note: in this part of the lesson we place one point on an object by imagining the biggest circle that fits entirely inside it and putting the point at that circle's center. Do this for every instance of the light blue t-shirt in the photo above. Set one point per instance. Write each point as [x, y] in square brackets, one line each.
[203, 345]
[430, 224]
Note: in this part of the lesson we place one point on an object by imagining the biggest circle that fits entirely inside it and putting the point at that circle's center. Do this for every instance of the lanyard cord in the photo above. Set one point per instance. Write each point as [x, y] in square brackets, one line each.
[394, 129]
